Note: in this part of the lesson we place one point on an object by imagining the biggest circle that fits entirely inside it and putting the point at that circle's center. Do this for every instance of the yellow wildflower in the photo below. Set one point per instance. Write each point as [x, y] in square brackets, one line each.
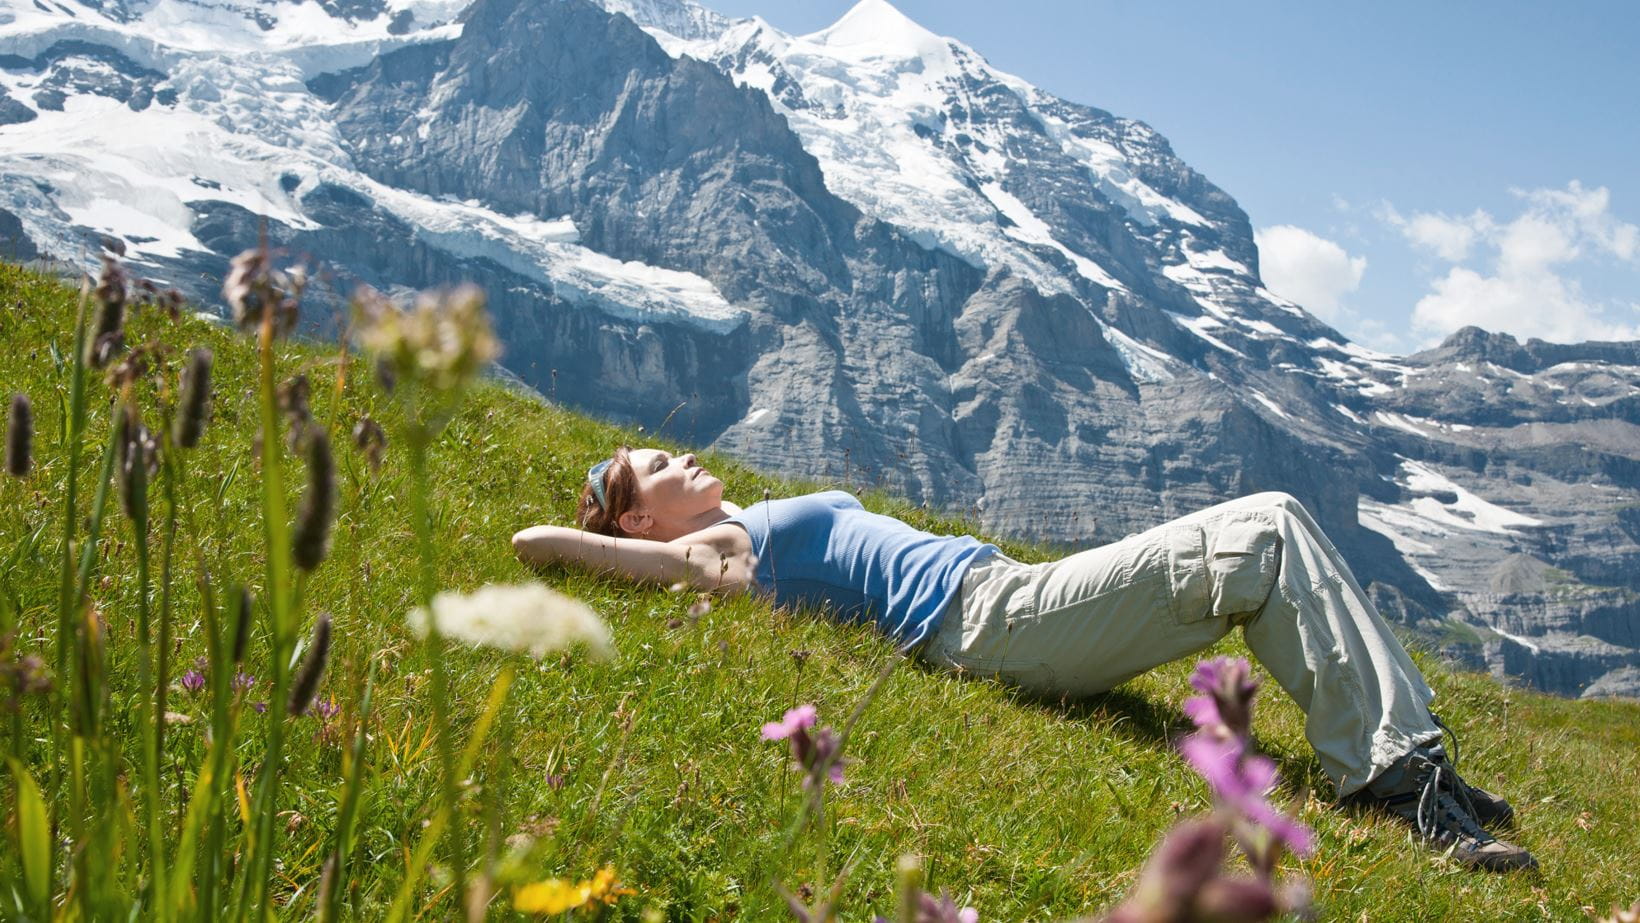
[555, 895]
[605, 887]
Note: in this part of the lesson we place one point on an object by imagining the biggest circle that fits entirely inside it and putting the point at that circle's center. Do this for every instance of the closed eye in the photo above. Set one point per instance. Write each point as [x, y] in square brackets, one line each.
[659, 463]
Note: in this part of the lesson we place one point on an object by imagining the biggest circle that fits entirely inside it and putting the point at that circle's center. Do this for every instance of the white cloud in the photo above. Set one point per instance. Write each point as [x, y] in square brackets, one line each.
[1527, 304]
[1527, 290]
[1449, 238]
[1308, 269]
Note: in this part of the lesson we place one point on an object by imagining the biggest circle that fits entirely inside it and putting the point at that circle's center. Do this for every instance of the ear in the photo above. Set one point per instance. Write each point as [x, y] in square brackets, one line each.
[635, 522]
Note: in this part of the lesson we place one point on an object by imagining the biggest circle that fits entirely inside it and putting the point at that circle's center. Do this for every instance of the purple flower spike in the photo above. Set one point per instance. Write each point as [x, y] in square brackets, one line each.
[1219, 751]
[243, 681]
[796, 719]
[193, 681]
[259, 707]
[1227, 687]
[326, 709]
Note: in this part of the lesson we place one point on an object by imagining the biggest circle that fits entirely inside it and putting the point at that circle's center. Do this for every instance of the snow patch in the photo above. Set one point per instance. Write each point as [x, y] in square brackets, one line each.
[1467, 512]
[1272, 405]
[1200, 325]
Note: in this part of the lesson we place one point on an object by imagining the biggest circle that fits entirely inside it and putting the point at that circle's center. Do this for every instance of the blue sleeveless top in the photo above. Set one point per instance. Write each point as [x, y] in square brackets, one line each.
[825, 549]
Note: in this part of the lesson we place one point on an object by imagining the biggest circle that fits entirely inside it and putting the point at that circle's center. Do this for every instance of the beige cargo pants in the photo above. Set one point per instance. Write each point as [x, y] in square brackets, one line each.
[1088, 622]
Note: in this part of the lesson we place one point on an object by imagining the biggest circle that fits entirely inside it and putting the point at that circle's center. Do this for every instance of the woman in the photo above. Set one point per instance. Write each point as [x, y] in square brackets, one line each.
[1079, 625]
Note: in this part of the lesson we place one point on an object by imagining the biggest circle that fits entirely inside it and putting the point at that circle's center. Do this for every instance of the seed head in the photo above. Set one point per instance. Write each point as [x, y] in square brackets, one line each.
[195, 399]
[136, 457]
[295, 394]
[311, 540]
[20, 437]
[370, 439]
[312, 669]
[242, 624]
[108, 330]
[254, 289]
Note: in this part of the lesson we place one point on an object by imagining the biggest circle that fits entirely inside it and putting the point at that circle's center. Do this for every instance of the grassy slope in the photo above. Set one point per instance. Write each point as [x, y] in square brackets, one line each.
[1028, 810]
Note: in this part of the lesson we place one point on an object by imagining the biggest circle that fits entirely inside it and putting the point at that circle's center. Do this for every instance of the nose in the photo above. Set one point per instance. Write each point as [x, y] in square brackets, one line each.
[689, 460]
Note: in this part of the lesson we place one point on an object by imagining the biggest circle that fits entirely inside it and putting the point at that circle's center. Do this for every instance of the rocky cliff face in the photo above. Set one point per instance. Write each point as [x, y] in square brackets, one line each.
[862, 255]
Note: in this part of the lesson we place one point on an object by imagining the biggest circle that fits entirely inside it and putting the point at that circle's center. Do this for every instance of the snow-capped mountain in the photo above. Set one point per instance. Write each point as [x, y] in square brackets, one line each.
[862, 254]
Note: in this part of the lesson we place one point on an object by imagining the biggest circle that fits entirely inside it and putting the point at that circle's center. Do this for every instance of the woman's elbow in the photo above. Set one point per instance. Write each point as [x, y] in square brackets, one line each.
[526, 545]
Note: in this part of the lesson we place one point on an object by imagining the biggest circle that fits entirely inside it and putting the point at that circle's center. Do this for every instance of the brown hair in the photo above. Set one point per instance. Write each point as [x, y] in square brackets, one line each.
[620, 489]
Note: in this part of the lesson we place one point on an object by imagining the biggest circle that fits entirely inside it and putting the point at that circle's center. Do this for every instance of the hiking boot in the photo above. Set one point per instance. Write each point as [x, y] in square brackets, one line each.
[1422, 789]
[1489, 810]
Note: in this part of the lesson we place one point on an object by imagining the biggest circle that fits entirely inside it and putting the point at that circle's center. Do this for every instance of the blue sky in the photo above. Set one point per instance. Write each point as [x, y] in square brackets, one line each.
[1409, 167]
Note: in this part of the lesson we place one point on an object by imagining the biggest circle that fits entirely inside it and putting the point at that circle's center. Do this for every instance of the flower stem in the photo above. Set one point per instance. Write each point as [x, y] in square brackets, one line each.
[149, 718]
[67, 625]
[332, 901]
[276, 532]
[427, 585]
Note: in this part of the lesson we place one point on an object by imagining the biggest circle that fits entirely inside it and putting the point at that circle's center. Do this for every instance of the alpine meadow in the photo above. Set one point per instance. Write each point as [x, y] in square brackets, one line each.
[222, 699]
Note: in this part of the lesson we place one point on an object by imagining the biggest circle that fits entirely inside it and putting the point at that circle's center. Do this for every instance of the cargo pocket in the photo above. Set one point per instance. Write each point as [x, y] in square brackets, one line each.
[1242, 564]
[1188, 586]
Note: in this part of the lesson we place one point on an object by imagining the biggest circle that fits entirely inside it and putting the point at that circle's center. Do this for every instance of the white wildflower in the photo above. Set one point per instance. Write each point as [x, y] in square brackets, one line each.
[528, 617]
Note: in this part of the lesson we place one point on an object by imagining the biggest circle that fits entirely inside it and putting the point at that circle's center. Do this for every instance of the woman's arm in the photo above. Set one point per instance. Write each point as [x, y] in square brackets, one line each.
[640, 559]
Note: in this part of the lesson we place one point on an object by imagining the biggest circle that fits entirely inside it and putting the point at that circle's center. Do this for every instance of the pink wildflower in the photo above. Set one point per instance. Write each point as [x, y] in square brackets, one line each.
[796, 719]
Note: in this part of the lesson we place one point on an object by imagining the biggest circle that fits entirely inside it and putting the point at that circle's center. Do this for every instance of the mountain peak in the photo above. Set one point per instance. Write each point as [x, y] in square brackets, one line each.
[878, 28]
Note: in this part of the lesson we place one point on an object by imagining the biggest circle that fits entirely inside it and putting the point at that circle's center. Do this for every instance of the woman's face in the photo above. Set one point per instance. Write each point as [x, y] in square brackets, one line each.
[674, 488]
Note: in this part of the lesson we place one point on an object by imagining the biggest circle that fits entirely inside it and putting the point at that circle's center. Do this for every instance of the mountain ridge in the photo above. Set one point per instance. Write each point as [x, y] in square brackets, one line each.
[904, 267]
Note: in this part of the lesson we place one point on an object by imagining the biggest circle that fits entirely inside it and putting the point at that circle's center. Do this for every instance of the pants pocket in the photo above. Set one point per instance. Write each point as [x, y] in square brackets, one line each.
[1242, 564]
[1221, 567]
[1188, 587]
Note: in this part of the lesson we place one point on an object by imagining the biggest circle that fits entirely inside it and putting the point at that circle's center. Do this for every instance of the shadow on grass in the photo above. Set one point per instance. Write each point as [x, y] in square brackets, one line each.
[1156, 723]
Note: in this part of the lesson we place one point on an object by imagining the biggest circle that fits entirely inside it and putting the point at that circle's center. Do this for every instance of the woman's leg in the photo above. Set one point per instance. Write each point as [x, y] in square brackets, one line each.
[1088, 622]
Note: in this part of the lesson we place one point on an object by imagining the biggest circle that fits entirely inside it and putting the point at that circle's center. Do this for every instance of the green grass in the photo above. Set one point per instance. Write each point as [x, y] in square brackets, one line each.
[1029, 810]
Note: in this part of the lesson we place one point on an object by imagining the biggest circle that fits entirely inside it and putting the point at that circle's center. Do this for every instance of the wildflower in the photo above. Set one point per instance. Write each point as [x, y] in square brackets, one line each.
[310, 541]
[193, 405]
[810, 752]
[256, 292]
[796, 719]
[307, 678]
[918, 906]
[1239, 781]
[1183, 881]
[108, 330]
[528, 617]
[20, 436]
[557, 895]
[1227, 688]
[439, 345]
[193, 681]
[243, 681]
[1219, 751]
[326, 708]
[260, 708]
[19, 676]
[942, 909]
[370, 439]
